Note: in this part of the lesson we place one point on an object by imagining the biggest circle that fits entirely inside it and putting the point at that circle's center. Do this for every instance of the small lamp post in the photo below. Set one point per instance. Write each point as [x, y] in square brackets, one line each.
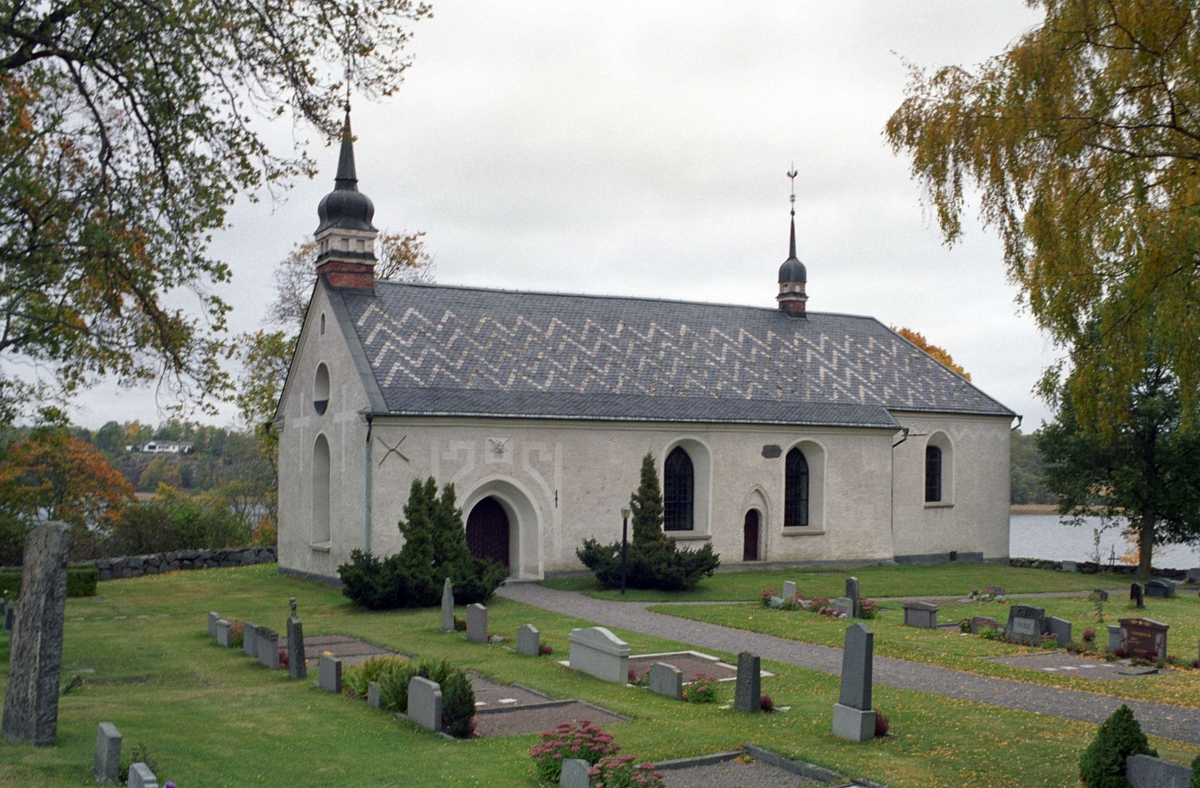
[624, 543]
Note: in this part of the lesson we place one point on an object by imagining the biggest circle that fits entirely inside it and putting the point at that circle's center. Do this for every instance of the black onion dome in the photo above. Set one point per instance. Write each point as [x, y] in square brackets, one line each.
[346, 207]
[792, 269]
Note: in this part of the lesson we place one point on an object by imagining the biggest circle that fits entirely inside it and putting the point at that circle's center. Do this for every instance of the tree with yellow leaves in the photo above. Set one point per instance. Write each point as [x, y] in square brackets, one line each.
[938, 353]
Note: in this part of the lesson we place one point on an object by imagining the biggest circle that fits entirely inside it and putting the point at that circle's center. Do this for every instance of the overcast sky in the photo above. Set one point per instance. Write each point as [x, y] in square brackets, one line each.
[641, 149]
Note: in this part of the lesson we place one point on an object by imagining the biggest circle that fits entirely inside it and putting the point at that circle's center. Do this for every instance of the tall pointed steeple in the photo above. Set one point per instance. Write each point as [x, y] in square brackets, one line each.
[792, 275]
[345, 237]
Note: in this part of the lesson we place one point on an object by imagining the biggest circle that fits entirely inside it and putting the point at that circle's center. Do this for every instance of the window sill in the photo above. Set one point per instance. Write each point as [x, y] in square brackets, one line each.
[803, 530]
[684, 536]
[319, 547]
[939, 504]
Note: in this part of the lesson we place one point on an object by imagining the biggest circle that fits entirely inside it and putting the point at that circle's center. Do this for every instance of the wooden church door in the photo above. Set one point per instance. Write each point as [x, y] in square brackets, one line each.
[750, 536]
[487, 531]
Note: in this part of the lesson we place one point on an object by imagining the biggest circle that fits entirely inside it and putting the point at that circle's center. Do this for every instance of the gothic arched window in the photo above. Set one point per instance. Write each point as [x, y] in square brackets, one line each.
[933, 474]
[795, 489]
[679, 491]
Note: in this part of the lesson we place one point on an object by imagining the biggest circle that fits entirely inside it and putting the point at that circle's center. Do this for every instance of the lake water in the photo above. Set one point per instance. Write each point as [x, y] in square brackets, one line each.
[1044, 536]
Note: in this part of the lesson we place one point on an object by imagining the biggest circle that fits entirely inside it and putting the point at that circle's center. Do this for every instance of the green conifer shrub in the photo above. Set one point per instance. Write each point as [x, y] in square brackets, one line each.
[1195, 781]
[458, 706]
[652, 561]
[1103, 762]
[435, 548]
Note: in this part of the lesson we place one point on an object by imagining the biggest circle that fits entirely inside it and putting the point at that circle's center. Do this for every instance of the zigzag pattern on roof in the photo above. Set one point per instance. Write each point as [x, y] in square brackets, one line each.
[430, 337]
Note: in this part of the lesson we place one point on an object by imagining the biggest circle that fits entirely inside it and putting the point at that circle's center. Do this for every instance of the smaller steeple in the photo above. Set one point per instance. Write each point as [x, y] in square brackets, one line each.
[792, 275]
[345, 237]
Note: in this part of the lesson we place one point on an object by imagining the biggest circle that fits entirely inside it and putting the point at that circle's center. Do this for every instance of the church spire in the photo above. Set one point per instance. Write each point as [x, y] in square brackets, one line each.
[345, 237]
[792, 275]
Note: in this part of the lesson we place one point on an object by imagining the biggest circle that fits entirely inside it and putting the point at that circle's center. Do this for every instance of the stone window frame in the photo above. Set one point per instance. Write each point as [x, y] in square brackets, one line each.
[321, 388]
[940, 441]
[321, 500]
[701, 457]
[816, 456]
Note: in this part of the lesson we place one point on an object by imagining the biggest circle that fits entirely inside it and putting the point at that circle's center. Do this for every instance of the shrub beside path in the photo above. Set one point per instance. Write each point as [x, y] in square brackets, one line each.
[1158, 719]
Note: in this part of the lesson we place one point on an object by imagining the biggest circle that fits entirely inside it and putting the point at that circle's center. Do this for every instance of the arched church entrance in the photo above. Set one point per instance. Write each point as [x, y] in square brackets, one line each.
[750, 536]
[487, 531]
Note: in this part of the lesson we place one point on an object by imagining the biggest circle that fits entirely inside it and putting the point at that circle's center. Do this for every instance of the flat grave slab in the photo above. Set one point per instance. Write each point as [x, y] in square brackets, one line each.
[351, 651]
[1066, 665]
[691, 664]
[731, 774]
[490, 695]
[513, 710]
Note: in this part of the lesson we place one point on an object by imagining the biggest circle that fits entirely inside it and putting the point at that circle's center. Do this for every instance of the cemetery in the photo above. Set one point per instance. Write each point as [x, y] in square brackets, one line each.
[160, 655]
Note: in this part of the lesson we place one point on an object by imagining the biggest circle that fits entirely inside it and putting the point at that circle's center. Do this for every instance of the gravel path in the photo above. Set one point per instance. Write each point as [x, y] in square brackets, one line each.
[1172, 722]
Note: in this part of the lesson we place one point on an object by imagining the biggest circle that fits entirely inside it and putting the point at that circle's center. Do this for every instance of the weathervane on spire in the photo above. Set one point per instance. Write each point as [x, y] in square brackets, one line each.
[348, 72]
[792, 174]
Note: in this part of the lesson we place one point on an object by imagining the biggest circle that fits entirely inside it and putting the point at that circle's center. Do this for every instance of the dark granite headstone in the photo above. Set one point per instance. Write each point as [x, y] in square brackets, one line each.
[853, 717]
[922, 615]
[35, 662]
[297, 662]
[1144, 637]
[1135, 594]
[853, 595]
[1060, 628]
[1159, 588]
[1026, 624]
[1100, 594]
[748, 693]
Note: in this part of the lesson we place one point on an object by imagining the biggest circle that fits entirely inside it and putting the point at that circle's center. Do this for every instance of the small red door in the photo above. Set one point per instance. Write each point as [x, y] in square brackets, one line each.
[750, 536]
[487, 531]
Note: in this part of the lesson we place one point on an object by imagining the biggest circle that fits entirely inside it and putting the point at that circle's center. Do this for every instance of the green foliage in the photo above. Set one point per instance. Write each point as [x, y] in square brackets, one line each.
[356, 678]
[652, 559]
[177, 521]
[435, 548]
[647, 505]
[458, 706]
[393, 683]
[1144, 467]
[1028, 470]
[579, 739]
[1080, 140]
[702, 689]
[1195, 781]
[81, 581]
[139, 753]
[1102, 764]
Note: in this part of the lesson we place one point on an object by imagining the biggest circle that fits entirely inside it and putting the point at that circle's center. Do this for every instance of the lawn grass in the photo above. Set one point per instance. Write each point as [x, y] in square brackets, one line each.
[968, 653]
[875, 581]
[212, 717]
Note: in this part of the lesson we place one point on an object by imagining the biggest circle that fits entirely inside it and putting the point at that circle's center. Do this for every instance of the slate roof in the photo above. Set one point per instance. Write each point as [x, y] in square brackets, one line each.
[444, 350]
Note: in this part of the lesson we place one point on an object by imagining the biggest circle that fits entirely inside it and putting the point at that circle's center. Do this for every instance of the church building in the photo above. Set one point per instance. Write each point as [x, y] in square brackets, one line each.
[781, 434]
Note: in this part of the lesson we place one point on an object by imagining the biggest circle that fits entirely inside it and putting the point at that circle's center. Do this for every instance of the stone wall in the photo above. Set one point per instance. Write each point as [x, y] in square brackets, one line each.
[1087, 567]
[182, 560]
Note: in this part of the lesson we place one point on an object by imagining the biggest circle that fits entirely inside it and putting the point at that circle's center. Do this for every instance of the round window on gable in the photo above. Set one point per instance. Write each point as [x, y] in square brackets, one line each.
[321, 389]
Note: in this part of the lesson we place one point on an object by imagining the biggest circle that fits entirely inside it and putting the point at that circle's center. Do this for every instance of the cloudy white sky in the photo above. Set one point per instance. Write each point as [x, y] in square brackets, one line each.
[641, 149]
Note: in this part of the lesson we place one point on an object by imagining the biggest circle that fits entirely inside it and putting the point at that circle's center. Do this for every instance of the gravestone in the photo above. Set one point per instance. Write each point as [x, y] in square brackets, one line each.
[1026, 624]
[223, 628]
[980, 622]
[1193, 575]
[1135, 595]
[666, 680]
[297, 658]
[447, 606]
[10, 618]
[853, 717]
[107, 765]
[425, 703]
[1069, 566]
[789, 589]
[1144, 637]
[373, 699]
[747, 696]
[35, 662]
[995, 590]
[477, 628]
[1114, 637]
[249, 639]
[922, 615]
[1145, 771]
[854, 597]
[140, 776]
[844, 605]
[1158, 588]
[1100, 594]
[598, 652]
[268, 647]
[330, 674]
[575, 773]
[775, 603]
[528, 640]
[213, 618]
[1060, 628]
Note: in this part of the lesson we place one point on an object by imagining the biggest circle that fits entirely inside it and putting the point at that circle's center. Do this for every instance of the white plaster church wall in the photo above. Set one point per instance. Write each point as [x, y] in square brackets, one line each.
[973, 517]
[345, 431]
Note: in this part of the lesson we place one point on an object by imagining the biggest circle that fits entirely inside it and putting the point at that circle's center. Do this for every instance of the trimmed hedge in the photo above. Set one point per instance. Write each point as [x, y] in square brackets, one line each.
[81, 581]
